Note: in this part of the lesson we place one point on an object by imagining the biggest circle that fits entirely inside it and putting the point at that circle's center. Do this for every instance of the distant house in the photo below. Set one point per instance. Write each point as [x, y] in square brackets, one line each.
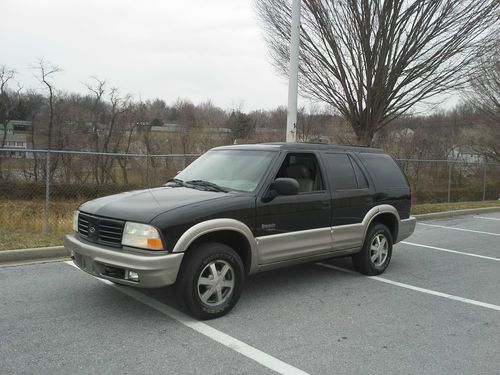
[221, 130]
[177, 128]
[405, 133]
[16, 142]
[9, 128]
[323, 139]
[20, 125]
[465, 154]
[169, 128]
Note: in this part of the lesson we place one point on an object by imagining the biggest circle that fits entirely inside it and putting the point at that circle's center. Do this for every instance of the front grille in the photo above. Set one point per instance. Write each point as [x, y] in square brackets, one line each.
[100, 230]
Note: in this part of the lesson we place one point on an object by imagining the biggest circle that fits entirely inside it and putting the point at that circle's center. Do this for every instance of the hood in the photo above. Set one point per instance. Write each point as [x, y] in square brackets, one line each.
[144, 205]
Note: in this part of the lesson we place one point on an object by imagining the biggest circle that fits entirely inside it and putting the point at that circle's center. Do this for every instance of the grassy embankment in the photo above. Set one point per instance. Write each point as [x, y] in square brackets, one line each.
[427, 208]
[21, 222]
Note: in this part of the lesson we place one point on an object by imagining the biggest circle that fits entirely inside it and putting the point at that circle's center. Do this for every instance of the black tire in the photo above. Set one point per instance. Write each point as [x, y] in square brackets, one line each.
[363, 261]
[197, 268]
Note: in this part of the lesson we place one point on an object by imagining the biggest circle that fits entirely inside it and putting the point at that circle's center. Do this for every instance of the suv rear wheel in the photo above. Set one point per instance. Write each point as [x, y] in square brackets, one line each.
[376, 253]
[210, 281]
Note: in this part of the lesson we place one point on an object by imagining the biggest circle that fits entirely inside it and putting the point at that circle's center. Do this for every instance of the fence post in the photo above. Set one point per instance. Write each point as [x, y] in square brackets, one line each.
[484, 181]
[450, 166]
[148, 182]
[47, 193]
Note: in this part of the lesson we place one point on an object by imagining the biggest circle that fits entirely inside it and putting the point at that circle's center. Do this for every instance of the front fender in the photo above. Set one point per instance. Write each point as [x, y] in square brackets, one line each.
[216, 225]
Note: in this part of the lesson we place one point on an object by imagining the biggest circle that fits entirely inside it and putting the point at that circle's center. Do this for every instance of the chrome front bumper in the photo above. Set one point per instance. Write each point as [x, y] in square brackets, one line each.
[113, 264]
[406, 228]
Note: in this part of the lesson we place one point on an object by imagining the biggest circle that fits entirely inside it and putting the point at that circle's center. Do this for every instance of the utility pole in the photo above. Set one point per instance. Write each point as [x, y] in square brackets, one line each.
[291, 118]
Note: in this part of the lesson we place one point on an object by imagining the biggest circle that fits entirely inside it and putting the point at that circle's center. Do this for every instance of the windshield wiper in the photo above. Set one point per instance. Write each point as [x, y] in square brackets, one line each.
[206, 184]
[176, 181]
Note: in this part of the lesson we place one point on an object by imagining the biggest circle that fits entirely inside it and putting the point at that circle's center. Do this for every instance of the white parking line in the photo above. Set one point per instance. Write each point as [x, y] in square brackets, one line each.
[230, 342]
[418, 289]
[460, 229]
[449, 251]
[486, 218]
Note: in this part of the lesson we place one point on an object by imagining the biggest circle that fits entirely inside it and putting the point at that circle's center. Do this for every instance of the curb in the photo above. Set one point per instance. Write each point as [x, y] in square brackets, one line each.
[37, 253]
[455, 213]
[55, 252]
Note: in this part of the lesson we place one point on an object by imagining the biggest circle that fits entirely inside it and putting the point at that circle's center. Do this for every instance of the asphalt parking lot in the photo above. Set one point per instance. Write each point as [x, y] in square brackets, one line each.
[436, 310]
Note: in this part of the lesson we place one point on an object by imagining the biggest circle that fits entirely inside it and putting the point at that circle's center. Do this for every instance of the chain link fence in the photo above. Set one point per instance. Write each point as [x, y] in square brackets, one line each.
[39, 190]
[445, 181]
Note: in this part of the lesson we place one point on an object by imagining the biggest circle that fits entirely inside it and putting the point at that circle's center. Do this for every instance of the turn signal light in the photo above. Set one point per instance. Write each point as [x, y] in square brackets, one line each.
[155, 244]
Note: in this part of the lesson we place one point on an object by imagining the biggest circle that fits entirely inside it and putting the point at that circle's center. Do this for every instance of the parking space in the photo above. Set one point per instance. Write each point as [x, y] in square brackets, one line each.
[57, 320]
[456, 274]
[471, 234]
[432, 312]
[347, 324]
[489, 224]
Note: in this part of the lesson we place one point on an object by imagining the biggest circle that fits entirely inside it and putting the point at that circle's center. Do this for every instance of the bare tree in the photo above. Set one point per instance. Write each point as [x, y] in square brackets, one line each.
[187, 121]
[485, 85]
[46, 72]
[485, 97]
[242, 126]
[119, 105]
[6, 75]
[10, 104]
[130, 129]
[35, 103]
[96, 89]
[373, 60]
[312, 123]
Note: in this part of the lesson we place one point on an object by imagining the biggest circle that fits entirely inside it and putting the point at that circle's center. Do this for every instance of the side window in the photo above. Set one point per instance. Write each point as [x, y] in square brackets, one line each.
[384, 168]
[360, 176]
[305, 169]
[341, 172]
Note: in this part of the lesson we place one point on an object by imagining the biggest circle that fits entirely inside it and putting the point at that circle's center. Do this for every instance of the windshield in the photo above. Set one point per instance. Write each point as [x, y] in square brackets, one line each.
[232, 169]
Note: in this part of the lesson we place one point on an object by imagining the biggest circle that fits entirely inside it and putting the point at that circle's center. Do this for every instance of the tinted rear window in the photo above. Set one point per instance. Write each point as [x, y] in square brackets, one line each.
[360, 176]
[340, 171]
[385, 170]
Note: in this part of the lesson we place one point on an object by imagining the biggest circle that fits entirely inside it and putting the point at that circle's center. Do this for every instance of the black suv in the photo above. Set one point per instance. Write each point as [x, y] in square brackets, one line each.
[243, 209]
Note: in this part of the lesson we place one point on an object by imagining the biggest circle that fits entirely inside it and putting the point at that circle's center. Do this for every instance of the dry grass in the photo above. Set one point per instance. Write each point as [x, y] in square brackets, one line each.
[21, 222]
[428, 208]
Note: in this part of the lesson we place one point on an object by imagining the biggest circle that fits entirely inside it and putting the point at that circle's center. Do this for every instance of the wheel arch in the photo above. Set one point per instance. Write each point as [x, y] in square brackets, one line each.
[230, 232]
[383, 214]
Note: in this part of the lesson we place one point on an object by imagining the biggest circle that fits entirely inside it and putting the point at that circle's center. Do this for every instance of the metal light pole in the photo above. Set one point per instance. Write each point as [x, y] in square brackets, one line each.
[291, 118]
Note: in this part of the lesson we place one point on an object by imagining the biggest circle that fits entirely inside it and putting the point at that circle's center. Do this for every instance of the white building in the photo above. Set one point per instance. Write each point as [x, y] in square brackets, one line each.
[465, 153]
[16, 142]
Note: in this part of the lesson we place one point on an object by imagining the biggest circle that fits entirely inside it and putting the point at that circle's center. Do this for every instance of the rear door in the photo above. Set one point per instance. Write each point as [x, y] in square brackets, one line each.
[351, 197]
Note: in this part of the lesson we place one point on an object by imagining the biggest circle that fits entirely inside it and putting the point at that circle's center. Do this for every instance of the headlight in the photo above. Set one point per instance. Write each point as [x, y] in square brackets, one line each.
[75, 220]
[142, 236]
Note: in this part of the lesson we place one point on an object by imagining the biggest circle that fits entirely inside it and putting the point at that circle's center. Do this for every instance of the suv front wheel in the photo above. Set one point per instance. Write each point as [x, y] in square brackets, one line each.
[210, 281]
[376, 253]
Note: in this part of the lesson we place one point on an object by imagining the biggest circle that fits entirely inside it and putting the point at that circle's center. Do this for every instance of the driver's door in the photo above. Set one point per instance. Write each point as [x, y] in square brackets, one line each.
[295, 226]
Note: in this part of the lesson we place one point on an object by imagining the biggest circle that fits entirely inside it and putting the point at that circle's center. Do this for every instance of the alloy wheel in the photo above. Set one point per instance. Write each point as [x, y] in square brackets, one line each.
[216, 283]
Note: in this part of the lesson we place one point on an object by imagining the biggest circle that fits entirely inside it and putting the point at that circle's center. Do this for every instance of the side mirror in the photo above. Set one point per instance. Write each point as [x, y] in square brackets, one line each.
[285, 186]
[281, 186]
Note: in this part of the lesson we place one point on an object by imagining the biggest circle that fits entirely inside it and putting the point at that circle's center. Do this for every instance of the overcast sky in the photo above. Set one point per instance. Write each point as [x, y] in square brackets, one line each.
[192, 49]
